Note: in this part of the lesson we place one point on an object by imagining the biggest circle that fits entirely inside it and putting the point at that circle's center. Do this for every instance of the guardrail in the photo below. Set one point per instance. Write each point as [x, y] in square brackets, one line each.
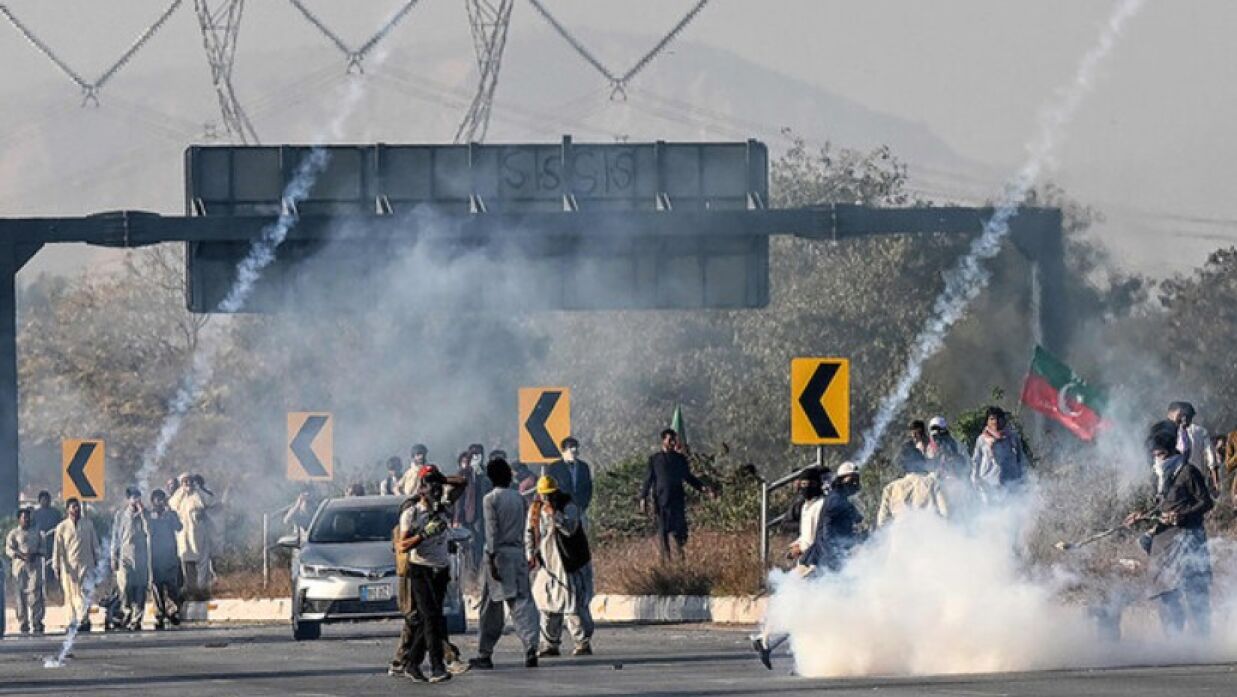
[766, 488]
[266, 542]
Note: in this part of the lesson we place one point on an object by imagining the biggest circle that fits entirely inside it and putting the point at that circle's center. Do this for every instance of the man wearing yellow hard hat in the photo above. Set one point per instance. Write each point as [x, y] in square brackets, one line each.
[559, 552]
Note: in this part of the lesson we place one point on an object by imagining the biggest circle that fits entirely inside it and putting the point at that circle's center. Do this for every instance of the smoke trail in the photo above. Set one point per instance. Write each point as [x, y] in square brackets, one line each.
[966, 279]
[261, 254]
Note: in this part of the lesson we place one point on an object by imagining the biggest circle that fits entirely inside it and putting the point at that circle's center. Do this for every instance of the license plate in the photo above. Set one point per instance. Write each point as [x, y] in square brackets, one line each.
[375, 592]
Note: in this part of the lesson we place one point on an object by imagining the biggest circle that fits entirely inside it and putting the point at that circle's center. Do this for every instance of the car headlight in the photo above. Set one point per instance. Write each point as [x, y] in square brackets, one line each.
[314, 571]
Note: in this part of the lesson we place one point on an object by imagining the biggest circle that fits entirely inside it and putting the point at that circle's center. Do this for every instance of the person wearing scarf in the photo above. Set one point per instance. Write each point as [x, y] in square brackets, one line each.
[468, 513]
[998, 463]
[1179, 565]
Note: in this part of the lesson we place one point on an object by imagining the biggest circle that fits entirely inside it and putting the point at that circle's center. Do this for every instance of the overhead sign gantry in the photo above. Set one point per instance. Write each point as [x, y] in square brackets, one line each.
[700, 206]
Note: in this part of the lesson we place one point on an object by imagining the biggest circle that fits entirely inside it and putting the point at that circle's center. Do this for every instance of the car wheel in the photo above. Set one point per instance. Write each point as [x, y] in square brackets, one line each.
[306, 631]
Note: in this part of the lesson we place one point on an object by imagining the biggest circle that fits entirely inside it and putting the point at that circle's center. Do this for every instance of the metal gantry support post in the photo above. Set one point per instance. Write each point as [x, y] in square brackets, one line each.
[12, 258]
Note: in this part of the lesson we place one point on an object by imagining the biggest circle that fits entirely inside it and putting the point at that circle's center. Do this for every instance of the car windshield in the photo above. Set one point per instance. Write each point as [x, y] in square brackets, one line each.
[355, 524]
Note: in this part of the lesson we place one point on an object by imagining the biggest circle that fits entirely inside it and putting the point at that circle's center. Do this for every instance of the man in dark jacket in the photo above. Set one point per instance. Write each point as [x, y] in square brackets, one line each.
[574, 476]
[838, 528]
[668, 471]
[1180, 564]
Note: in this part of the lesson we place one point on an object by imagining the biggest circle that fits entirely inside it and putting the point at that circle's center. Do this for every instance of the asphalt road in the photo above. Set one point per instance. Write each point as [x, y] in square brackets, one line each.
[667, 660]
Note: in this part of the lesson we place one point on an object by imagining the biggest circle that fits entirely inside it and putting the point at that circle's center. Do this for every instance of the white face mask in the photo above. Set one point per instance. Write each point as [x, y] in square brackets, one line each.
[475, 460]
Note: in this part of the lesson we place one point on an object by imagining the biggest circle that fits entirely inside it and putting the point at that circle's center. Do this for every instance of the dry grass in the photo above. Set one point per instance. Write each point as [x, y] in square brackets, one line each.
[716, 564]
[248, 584]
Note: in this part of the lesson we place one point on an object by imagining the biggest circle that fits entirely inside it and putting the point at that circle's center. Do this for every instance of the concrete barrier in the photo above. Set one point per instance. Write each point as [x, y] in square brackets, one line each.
[606, 608]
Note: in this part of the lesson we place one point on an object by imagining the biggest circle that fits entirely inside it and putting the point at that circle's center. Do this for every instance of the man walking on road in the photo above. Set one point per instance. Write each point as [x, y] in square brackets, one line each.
[505, 578]
[558, 545]
[423, 537]
[668, 471]
[165, 571]
[76, 560]
[131, 558]
[24, 545]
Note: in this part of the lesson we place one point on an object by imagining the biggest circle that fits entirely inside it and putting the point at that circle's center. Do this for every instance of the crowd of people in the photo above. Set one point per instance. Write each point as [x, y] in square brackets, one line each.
[528, 559]
[161, 552]
[1188, 473]
[525, 555]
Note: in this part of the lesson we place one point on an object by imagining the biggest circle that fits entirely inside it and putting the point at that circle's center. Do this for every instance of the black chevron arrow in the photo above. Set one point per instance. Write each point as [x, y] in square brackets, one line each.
[811, 400]
[302, 446]
[77, 470]
[535, 424]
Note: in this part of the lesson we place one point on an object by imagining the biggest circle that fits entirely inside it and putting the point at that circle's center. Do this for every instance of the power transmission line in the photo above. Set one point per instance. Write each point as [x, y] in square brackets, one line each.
[356, 57]
[90, 90]
[618, 83]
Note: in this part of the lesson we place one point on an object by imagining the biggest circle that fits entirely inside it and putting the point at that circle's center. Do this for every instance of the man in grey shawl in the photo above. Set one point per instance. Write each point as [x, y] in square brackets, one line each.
[131, 558]
[165, 572]
[504, 580]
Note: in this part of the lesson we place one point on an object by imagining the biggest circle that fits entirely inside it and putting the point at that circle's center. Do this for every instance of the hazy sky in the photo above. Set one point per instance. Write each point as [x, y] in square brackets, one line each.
[1151, 147]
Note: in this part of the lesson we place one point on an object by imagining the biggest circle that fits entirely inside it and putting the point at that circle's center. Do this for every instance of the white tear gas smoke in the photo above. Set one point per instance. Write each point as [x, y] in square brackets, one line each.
[926, 596]
[90, 587]
[261, 255]
[968, 277]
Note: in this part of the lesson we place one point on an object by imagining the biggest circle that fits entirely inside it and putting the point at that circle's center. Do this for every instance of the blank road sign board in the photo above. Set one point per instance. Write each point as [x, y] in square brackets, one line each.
[614, 266]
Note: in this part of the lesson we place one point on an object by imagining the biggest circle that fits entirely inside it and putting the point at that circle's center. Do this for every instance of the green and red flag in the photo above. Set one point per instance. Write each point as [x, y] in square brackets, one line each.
[1054, 390]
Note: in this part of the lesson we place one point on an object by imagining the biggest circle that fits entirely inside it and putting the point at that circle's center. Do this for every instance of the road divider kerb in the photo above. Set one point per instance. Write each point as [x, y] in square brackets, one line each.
[606, 608]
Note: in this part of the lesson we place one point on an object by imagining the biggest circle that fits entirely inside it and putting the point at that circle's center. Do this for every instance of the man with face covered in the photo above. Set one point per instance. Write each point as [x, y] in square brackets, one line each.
[131, 558]
[193, 543]
[1179, 567]
[468, 512]
[165, 571]
[574, 475]
[423, 537]
[1194, 443]
[998, 463]
[810, 485]
[839, 529]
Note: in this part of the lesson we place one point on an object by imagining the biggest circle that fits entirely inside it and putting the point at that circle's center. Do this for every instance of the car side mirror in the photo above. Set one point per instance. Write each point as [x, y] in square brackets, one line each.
[289, 541]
